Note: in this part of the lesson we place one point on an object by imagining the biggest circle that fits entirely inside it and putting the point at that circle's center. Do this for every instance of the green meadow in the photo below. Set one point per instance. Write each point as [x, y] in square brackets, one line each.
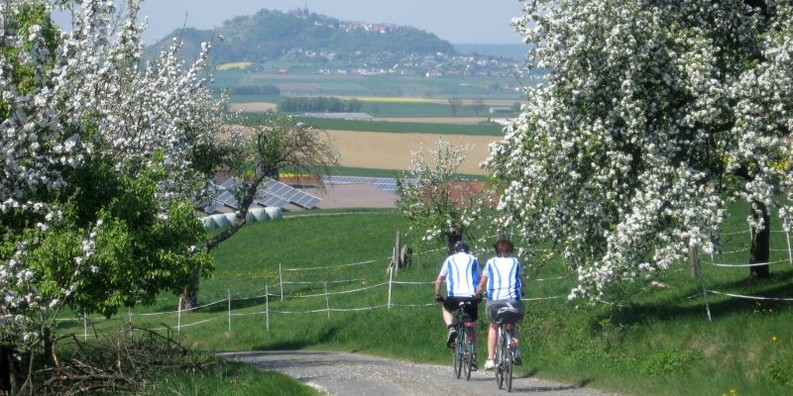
[318, 280]
[310, 83]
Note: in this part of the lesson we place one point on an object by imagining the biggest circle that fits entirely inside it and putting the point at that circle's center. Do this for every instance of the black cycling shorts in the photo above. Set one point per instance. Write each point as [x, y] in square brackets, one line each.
[471, 306]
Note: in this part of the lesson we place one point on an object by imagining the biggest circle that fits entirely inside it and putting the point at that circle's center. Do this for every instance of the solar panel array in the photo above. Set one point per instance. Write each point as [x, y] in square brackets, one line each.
[383, 183]
[272, 193]
[290, 194]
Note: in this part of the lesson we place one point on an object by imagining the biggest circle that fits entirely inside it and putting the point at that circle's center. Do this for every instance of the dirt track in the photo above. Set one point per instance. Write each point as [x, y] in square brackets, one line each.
[339, 373]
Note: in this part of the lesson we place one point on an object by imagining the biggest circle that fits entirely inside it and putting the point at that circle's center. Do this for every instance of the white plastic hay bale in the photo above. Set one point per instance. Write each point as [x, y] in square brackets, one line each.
[208, 223]
[221, 220]
[249, 217]
[259, 213]
[232, 217]
[274, 213]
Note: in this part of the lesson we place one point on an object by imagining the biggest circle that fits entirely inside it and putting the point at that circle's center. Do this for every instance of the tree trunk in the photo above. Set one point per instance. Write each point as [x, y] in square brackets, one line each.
[761, 245]
[9, 370]
[189, 296]
[453, 235]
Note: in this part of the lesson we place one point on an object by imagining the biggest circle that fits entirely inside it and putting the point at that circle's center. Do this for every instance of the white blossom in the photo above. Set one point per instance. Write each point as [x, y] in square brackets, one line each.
[627, 154]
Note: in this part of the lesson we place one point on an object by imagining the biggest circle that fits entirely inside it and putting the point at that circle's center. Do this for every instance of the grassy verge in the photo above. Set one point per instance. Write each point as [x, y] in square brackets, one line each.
[228, 379]
[681, 335]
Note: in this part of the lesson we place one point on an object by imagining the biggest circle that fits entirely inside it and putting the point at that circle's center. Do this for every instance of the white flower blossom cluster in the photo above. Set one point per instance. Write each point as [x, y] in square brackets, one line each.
[426, 190]
[652, 117]
[68, 95]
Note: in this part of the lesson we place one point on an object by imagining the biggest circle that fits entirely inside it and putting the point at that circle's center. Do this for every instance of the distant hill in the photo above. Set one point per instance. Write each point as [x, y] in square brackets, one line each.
[301, 35]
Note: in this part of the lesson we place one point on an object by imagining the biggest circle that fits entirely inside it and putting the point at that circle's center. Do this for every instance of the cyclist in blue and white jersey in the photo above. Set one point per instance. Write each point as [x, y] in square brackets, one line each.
[503, 278]
[461, 272]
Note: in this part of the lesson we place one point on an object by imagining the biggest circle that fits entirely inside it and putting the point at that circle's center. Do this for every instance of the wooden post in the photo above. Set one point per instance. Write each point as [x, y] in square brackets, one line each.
[397, 250]
[693, 258]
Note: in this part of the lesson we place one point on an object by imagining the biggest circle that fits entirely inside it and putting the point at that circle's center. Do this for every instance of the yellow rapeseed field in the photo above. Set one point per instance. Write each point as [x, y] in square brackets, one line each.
[234, 65]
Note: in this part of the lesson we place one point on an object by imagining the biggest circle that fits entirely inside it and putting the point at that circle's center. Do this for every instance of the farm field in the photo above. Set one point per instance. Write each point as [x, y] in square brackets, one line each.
[379, 150]
[314, 84]
[388, 143]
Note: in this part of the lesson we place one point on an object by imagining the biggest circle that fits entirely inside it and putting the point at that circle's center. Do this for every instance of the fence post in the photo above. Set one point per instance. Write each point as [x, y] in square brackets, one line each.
[327, 300]
[281, 280]
[696, 271]
[85, 327]
[179, 317]
[789, 252]
[229, 294]
[129, 315]
[266, 307]
[390, 285]
[397, 259]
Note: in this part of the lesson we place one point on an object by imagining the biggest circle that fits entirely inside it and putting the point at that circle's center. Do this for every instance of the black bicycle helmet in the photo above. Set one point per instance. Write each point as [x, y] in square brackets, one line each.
[461, 246]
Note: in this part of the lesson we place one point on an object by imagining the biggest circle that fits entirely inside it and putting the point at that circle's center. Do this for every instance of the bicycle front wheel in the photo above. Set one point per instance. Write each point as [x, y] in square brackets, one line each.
[457, 362]
[458, 353]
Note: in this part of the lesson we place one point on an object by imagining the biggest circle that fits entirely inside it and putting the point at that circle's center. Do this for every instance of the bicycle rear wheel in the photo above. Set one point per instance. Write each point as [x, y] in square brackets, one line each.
[508, 370]
[500, 360]
[468, 350]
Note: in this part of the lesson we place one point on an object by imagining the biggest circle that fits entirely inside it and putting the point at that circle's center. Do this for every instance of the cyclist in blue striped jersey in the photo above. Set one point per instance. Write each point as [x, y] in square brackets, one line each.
[503, 279]
[461, 272]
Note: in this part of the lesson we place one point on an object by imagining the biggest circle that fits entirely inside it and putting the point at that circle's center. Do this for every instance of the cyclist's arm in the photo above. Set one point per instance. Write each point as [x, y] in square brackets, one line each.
[480, 289]
[438, 282]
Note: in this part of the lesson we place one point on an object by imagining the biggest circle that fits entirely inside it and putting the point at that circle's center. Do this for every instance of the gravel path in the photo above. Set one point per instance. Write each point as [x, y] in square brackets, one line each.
[337, 373]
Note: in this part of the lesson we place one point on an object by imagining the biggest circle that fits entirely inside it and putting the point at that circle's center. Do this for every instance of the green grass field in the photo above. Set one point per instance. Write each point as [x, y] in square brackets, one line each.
[651, 341]
[309, 83]
[489, 129]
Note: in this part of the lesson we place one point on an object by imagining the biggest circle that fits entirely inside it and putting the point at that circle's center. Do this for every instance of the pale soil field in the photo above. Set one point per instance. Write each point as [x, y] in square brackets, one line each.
[378, 150]
[255, 107]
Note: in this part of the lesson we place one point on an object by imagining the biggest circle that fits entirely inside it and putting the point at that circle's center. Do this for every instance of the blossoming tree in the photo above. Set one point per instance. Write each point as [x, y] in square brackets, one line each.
[426, 193]
[101, 159]
[653, 116]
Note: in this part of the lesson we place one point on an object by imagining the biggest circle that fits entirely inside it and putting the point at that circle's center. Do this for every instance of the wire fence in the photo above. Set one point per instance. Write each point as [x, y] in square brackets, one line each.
[381, 294]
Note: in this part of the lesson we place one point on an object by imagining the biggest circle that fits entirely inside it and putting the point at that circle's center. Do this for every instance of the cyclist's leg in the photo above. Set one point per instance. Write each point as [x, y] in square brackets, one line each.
[491, 308]
[517, 355]
[447, 311]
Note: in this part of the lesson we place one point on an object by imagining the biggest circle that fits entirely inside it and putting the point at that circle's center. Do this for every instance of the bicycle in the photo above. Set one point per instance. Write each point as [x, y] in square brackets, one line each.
[506, 344]
[464, 350]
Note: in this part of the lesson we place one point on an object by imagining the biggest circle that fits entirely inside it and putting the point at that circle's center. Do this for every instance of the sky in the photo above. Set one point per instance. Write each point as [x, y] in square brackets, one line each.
[456, 21]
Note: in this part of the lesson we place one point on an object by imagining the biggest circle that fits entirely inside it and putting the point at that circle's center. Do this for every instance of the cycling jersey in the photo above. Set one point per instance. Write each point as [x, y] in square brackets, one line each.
[461, 271]
[503, 278]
